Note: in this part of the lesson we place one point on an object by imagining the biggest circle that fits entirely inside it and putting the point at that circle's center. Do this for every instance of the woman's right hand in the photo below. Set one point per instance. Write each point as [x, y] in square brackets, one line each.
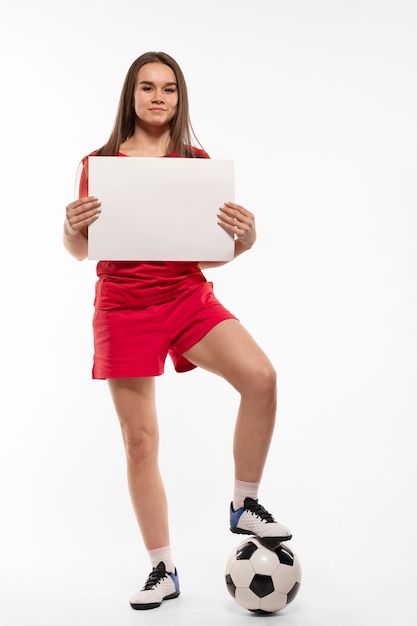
[81, 213]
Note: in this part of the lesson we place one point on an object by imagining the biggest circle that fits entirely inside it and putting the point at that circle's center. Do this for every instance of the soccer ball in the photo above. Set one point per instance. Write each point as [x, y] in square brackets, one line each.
[260, 579]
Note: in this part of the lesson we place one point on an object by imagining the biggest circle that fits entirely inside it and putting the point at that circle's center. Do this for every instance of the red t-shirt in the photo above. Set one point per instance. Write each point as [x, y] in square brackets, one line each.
[131, 284]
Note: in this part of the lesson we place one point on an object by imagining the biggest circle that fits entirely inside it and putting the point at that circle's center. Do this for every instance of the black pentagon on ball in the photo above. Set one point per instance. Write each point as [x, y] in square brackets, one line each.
[261, 585]
[245, 552]
[291, 594]
[285, 555]
[231, 587]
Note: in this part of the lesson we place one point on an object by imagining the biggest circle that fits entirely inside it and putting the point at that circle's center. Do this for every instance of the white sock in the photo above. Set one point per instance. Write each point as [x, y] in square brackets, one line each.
[242, 491]
[162, 554]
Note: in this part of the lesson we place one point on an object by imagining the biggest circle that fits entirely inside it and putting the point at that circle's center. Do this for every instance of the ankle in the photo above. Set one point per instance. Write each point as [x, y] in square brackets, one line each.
[243, 490]
[162, 554]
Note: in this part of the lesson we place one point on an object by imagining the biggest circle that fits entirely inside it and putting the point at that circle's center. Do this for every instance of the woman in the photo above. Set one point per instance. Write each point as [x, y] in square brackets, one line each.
[143, 311]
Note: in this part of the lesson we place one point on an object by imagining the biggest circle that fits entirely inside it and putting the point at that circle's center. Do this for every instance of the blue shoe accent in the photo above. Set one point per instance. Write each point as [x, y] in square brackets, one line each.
[175, 579]
[235, 515]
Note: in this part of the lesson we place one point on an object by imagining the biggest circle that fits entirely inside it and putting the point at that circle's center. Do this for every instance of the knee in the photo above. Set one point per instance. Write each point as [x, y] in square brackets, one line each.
[263, 384]
[268, 382]
[141, 446]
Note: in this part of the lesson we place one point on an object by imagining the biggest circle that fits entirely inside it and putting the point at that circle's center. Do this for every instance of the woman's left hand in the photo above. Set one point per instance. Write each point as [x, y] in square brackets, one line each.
[236, 220]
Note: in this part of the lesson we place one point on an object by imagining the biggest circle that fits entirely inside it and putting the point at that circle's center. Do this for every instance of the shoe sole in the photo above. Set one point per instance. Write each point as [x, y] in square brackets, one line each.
[268, 542]
[154, 605]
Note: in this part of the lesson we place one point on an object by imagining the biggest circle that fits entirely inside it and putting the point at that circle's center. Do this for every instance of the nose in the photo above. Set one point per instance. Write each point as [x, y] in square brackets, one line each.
[158, 96]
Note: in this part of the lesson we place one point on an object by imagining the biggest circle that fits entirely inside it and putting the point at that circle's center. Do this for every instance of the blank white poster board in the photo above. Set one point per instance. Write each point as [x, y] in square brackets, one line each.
[160, 209]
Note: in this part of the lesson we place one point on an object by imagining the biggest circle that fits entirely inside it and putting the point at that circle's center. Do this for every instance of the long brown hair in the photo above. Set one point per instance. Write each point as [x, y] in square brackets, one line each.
[182, 133]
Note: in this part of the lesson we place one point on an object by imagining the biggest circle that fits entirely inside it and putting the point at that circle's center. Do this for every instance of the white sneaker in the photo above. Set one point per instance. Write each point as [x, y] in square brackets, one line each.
[253, 519]
[161, 585]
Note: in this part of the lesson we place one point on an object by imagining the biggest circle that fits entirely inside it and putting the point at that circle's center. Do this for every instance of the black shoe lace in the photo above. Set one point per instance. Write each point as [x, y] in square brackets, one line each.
[155, 577]
[260, 511]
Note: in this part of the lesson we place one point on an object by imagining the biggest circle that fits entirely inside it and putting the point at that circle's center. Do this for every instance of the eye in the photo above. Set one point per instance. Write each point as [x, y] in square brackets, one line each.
[170, 89]
[146, 88]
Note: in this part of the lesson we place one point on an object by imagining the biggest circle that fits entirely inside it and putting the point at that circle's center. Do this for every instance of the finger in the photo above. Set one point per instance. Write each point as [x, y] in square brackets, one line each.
[233, 227]
[82, 205]
[86, 220]
[81, 201]
[245, 236]
[234, 222]
[227, 229]
[82, 220]
[237, 214]
[79, 216]
[85, 217]
[238, 209]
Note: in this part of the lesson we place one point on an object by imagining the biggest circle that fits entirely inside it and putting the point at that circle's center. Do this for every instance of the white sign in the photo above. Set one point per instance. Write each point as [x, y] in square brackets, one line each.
[160, 209]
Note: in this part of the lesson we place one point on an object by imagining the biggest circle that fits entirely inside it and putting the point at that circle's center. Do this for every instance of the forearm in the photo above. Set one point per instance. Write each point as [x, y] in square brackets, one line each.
[76, 244]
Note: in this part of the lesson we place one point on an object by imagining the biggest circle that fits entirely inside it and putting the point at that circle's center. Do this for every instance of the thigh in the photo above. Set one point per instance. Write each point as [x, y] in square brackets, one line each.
[128, 343]
[189, 318]
[231, 352]
[134, 401]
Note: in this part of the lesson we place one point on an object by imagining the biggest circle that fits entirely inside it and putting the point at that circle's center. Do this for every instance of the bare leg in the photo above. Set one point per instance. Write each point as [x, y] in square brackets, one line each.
[134, 401]
[229, 351]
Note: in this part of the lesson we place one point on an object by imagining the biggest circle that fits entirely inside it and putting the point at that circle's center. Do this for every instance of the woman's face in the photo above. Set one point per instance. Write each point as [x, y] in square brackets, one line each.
[156, 95]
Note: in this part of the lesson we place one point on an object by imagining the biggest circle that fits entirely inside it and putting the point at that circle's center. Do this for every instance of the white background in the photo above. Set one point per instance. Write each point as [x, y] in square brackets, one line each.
[316, 102]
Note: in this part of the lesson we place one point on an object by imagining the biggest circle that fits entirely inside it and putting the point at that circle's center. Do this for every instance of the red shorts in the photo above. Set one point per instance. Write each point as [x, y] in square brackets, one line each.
[135, 342]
